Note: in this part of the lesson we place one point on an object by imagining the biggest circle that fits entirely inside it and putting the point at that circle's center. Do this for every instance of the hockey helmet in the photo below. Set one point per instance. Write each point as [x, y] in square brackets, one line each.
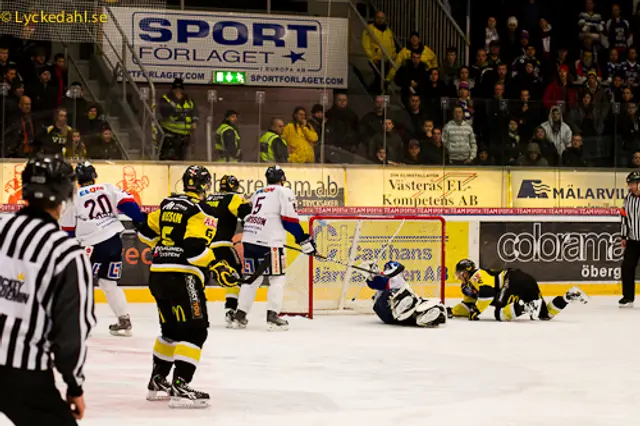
[47, 179]
[196, 179]
[229, 183]
[275, 174]
[633, 177]
[465, 265]
[391, 269]
[86, 173]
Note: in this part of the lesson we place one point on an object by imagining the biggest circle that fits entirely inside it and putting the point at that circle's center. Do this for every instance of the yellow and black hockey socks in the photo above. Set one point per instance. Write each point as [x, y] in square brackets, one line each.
[186, 360]
[555, 307]
[163, 356]
[232, 294]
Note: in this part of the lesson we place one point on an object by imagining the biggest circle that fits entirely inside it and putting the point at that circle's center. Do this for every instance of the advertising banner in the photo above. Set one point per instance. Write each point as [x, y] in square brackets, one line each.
[424, 187]
[273, 50]
[567, 188]
[314, 187]
[568, 252]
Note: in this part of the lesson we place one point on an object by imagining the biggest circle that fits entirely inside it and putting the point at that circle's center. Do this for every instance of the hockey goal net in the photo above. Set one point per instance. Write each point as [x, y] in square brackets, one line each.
[315, 285]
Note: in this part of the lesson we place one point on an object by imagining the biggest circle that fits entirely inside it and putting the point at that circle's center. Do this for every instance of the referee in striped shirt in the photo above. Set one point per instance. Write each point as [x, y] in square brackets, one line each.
[630, 239]
[46, 302]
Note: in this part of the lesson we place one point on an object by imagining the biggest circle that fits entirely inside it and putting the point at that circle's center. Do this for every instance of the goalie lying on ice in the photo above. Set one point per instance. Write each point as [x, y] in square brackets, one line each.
[511, 292]
[395, 301]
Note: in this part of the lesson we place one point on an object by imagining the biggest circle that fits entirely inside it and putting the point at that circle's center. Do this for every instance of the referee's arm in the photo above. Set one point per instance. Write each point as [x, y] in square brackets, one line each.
[624, 226]
[73, 317]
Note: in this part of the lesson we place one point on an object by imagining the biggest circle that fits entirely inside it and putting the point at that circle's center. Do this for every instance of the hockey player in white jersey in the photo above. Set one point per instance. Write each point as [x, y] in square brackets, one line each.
[273, 214]
[396, 303]
[93, 219]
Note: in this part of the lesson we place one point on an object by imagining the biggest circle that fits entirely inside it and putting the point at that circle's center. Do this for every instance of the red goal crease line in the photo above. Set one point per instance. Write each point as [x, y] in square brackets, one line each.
[442, 211]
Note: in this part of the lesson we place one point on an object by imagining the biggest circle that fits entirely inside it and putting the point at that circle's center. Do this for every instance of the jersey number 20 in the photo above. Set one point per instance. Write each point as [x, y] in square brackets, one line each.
[99, 207]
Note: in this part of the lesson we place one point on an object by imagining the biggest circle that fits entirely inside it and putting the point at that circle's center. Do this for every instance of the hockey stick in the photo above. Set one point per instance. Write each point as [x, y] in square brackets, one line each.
[330, 259]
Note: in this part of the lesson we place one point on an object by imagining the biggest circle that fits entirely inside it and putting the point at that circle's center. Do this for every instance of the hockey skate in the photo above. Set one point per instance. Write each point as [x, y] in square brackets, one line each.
[240, 320]
[229, 316]
[122, 328]
[159, 389]
[274, 323]
[576, 294]
[625, 303]
[182, 396]
[533, 309]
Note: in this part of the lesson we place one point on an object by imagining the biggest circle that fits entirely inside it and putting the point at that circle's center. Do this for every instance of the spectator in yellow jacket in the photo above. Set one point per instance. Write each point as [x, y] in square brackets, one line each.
[300, 138]
[375, 35]
[427, 56]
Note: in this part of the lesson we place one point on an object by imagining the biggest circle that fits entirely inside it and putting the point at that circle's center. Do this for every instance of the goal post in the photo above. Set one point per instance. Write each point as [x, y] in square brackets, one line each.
[316, 285]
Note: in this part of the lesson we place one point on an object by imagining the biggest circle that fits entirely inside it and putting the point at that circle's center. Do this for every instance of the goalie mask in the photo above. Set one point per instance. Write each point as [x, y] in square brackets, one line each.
[391, 269]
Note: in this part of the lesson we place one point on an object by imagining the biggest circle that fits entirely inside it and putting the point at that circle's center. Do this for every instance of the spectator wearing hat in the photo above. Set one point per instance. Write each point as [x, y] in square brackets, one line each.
[377, 39]
[427, 56]
[413, 156]
[228, 139]
[510, 40]
[593, 87]
[42, 92]
[178, 119]
[300, 137]
[412, 78]
[560, 90]
[532, 157]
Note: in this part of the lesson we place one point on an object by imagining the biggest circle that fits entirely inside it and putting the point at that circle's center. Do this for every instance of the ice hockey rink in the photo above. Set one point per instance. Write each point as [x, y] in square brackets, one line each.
[582, 368]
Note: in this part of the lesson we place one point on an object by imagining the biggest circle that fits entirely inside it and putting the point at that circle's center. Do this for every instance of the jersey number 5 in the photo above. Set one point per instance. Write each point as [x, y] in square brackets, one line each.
[258, 205]
[99, 207]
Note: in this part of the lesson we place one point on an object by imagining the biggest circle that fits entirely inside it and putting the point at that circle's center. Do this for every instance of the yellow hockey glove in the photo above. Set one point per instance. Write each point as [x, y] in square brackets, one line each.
[224, 274]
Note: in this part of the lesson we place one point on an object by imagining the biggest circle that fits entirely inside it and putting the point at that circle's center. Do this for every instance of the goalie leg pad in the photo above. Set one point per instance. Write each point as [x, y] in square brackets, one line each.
[430, 313]
[403, 304]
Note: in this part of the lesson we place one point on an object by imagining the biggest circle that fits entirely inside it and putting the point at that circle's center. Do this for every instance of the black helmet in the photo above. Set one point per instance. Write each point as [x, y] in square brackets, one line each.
[47, 179]
[196, 179]
[633, 177]
[86, 173]
[275, 174]
[229, 183]
[465, 265]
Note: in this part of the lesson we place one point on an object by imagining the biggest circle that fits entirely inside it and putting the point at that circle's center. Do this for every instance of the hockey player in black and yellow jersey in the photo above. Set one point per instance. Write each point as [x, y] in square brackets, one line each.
[511, 292]
[230, 208]
[180, 232]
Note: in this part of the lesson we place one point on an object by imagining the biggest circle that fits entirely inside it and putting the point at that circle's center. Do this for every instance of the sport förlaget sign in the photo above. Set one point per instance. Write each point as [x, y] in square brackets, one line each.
[273, 50]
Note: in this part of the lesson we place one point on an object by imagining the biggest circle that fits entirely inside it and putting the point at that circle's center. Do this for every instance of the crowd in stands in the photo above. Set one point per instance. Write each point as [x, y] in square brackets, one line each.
[43, 112]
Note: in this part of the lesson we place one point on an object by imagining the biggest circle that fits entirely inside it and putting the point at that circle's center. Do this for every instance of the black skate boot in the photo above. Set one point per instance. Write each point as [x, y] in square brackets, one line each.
[240, 320]
[159, 388]
[122, 328]
[229, 316]
[625, 303]
[274, 323]
[182, 396]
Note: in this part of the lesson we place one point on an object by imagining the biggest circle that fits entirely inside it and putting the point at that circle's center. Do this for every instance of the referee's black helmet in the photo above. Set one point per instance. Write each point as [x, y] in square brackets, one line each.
[275, 174]
[633, 177]
[86, 173]
[47, 180]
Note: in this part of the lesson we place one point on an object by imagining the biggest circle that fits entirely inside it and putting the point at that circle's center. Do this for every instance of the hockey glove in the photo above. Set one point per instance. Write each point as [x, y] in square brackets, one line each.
[474, 313]
[224, 274]
[140, 225]
[469, 290]
[307, 245]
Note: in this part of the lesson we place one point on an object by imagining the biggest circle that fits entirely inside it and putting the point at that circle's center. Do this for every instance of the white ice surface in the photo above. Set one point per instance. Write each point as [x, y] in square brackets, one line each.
[583, 368]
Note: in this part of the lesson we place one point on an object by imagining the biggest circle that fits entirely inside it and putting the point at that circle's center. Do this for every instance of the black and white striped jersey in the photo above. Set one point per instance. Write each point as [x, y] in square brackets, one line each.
[630, 229]
[46, 297]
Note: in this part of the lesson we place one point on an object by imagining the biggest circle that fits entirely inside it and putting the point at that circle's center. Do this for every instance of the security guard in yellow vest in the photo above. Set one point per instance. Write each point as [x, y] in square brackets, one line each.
[178, 120]
[273, 147]
[228, 139]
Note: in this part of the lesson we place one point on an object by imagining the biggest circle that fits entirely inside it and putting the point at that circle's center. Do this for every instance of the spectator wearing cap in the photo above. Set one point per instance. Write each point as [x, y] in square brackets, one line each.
[586, 65]
[631, 68]
[613, 67]
[560, 90]
[450, 66]
[593, 87]
[300, 137]
[75, 103]
[273, 146]
[228, 139]
[491, 32]
[60, 76]
[412, 78]
[459, 139]
[510, 40]
[618, 31]
[532, 157]
[377, 39]
[42, 92]
[590, 22]
[178, 119]
[545, 40]
[413, 155]
[414, 44]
